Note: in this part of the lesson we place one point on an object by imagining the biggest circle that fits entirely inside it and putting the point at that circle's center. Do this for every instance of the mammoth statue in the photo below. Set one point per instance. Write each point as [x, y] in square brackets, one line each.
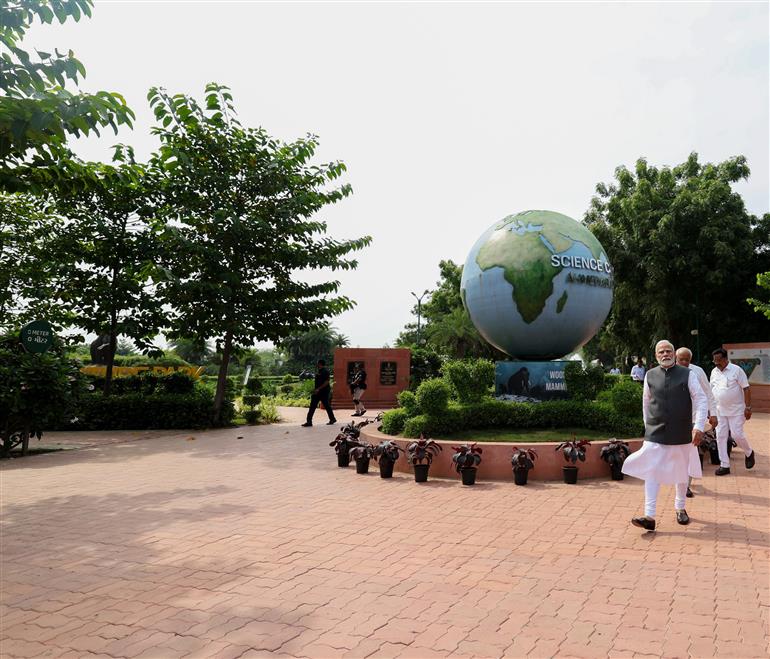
[100, 349]
[518, 383]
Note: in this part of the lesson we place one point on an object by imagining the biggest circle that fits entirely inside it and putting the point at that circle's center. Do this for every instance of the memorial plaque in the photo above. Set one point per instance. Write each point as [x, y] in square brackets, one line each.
[388, 373]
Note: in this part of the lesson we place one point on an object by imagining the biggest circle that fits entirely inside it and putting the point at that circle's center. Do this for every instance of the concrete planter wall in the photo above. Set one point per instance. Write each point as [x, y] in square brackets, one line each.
[496, 459]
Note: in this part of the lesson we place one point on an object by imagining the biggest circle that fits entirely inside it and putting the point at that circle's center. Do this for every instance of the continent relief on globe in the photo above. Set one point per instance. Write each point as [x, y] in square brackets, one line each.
[518, 246]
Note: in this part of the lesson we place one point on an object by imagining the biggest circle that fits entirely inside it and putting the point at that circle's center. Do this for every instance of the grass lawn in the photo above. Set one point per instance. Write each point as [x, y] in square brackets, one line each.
[522, 435]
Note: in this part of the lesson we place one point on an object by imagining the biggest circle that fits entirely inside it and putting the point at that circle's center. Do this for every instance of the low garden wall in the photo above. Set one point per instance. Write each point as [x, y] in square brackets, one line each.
[496, 458]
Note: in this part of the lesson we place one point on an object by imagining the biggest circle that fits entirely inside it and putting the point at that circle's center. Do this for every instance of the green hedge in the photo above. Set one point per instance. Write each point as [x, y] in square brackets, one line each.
[470, 380]
[393, 421]
[140, 411]
[501, 414]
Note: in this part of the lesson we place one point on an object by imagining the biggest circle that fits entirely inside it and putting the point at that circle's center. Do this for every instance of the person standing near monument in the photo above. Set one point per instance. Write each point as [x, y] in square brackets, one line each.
[358, 389]
[674, 410]
[321, 394]
[684, 358]
[732, 393]
[637, 372]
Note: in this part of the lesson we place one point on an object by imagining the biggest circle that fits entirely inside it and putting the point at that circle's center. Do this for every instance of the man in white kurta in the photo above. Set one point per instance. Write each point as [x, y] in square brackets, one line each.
[671, 398]
[732, 393]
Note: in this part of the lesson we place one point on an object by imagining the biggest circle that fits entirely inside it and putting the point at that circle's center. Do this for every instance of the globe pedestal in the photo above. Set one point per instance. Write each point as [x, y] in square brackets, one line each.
[531, 380]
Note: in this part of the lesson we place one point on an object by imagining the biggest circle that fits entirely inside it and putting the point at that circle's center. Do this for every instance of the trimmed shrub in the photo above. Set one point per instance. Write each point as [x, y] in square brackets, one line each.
[433, 396]
[393, 421]
[287, 379]
[251, 416]
[583, 384]
[252, 400]
[469, 379]
[139, 411]
[287, 388]
[408, 402]
[144, 360]
[425, 364]
[626, 398]
[268, 411]
[253, 386]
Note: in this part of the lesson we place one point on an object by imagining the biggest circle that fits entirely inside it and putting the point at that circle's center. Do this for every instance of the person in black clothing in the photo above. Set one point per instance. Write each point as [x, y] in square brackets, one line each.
[321, 394]
[358, 388]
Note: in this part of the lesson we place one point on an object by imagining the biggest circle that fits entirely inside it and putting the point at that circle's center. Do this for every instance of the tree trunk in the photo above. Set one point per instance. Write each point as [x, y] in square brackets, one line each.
[219, 397]
[111, 354]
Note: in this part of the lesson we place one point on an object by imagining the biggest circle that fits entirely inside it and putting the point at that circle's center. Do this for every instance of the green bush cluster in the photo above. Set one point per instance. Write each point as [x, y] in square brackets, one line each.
[583, 383]
[149, 382]
[626, 398]
[144, 360]
[433, 396]
[500, 414]
[408, 401]
[139, 410]
[470, 380]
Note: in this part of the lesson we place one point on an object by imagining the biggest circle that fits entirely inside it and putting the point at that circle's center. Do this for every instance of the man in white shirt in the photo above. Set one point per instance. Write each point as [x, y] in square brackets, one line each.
[637, 372]
[683, 358]
[614, 371]
[732, 394]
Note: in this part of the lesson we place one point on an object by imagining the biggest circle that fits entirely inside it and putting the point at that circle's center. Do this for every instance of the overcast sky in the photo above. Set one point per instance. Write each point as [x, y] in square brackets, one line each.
[449, 116]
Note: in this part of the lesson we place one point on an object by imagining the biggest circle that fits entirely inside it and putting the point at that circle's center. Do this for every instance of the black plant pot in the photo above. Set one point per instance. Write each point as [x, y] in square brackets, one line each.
[469, 475]
[714, 452]
[617, 472]
[343, 459]
[570, 474]
[386, 468]
[730, 443]
[421, 473]
[362, 465]
[520, 476]
[700, 457]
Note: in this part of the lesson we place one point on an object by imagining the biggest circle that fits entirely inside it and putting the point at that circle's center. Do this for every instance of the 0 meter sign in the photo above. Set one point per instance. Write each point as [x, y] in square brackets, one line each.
[37, 336]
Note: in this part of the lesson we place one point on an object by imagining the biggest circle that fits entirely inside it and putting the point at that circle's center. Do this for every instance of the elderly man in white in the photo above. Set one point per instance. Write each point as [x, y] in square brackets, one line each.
[674, 409]
[683, 358]
[733, 398]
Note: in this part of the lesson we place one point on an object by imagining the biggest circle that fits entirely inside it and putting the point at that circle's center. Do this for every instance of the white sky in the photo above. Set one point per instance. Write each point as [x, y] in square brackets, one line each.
[449, 116]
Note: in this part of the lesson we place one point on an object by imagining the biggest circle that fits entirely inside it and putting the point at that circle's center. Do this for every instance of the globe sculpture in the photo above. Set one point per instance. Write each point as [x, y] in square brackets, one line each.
[537, 285]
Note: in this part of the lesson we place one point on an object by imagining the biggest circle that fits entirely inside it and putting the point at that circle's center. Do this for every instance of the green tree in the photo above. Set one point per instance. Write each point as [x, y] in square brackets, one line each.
[191, 350]
[105, 251]
[239, 208]
[304, 349]
[27, 271]
[37, 110]
[684, 252]
[763, 281]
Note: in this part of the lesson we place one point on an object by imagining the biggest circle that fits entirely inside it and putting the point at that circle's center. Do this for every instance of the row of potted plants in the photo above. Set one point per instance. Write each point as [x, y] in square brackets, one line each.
[466, 459]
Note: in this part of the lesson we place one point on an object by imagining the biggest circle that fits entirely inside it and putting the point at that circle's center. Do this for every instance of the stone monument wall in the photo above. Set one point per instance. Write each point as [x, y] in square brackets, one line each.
[387, 373]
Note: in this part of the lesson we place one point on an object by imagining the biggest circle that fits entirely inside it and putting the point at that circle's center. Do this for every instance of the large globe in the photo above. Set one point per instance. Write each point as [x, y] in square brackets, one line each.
[537, 285]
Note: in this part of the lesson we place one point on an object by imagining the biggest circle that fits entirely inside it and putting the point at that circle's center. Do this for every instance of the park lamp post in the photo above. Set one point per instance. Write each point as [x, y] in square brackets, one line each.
[419, 311]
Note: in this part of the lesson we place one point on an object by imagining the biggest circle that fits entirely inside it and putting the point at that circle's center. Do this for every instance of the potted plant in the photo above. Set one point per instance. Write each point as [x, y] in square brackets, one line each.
[466, 461]
[420, 456]
[614, 454]
[522, 461]
[573, 450]
[344, 441]
[362, 454]
[708, 444]
[385, 455]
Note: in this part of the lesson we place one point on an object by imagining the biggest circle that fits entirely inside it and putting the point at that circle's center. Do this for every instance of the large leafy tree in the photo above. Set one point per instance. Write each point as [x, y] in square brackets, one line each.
[763, 281]
[105, 250]
[240, 210]
[40, 104]
[684, 251]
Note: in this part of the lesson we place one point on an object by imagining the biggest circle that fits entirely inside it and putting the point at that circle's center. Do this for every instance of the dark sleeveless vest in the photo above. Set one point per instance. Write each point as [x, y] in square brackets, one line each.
[669, 416]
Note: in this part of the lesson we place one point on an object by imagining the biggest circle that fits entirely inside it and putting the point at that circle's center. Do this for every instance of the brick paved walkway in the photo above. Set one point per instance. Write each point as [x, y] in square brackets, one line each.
[203, 544]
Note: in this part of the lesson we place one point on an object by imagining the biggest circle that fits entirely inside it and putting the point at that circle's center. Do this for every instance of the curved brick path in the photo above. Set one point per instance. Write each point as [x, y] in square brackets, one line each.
[159, 545]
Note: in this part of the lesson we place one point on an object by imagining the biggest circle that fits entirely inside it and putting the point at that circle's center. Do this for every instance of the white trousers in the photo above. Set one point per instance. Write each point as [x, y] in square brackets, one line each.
[651, 496]
[731, 425]
[358, 394]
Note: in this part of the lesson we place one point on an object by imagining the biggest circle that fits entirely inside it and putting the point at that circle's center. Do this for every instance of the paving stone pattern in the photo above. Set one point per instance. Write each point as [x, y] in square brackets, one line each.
[200, 544]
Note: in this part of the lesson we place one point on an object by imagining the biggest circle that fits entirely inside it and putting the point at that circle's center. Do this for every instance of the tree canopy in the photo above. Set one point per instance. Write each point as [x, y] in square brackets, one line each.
[238, 210]
[685, 252]
[38, 111]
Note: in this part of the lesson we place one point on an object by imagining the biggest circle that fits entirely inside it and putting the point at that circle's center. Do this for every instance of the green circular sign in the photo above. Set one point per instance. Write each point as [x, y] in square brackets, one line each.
[37, 336]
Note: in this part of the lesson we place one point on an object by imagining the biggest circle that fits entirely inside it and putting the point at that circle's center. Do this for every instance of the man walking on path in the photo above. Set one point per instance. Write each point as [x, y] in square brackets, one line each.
[358, 389]
[684, 358]
[320, 395]
[732, 393]
[674, 410]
